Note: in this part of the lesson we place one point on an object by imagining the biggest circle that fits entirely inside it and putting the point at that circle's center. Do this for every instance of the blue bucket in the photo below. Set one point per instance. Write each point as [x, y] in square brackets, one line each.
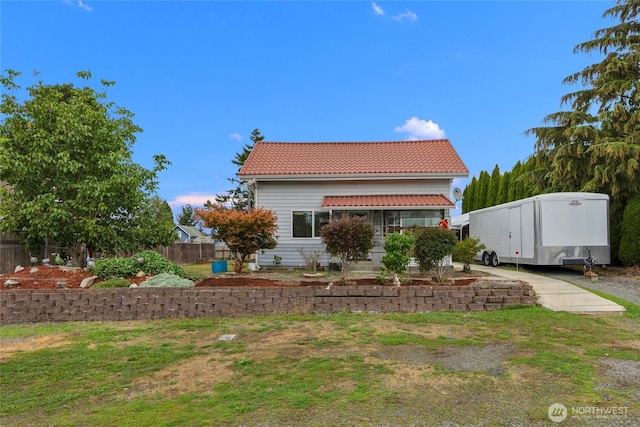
[219, 266]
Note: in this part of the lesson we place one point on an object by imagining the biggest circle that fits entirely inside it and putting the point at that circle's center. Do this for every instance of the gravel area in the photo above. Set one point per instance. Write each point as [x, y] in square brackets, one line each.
[626, 287]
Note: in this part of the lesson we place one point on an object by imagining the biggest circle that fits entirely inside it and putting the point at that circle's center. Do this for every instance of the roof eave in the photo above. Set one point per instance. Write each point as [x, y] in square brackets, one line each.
[353, 177]
[391, 208]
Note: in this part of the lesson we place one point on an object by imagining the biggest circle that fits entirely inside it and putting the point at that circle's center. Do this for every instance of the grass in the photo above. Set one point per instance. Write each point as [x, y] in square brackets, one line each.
[357, 369]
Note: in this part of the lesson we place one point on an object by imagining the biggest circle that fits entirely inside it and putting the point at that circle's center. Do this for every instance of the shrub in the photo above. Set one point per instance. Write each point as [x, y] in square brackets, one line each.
[154, 263]
[629, 250]
[431, 246]
[348, 238]
[167, 280]
[113, 283]
[396, 259]
[465, 251]
[148, 261]
[116, 267]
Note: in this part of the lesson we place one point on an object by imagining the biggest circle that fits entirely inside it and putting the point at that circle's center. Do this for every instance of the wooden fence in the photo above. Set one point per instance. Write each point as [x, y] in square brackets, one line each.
[13, 253]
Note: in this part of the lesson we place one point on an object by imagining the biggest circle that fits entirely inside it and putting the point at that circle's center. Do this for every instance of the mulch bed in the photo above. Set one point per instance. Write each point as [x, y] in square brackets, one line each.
[257, 282]
[48, 277]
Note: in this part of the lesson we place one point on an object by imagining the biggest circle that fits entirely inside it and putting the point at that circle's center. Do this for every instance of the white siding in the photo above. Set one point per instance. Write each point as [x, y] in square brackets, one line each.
[285, 197]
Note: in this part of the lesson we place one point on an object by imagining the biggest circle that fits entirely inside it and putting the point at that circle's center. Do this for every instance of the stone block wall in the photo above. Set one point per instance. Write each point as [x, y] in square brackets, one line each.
[25, 306]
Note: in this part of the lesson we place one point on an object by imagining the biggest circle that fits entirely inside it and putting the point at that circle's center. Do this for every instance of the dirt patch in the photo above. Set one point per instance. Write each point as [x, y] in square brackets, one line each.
[46, 277]
[11, 346]
[196, 374]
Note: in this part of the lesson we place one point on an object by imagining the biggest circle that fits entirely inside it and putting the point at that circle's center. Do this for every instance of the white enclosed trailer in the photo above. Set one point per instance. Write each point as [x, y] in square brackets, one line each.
[549, 229]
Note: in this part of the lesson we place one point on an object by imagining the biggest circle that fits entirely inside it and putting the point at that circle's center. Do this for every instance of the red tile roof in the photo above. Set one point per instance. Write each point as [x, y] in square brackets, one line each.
[348, 158]
[395, 200]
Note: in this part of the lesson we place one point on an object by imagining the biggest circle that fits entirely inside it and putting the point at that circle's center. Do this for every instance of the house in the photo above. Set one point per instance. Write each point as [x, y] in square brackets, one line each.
[394, 185]
[189, 234]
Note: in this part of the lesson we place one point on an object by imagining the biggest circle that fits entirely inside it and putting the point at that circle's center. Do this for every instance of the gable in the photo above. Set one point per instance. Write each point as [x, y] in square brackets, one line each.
[403, 158]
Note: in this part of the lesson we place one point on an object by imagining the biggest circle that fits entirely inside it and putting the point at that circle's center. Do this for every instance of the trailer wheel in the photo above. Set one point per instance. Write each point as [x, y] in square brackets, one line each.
[486, 259]
[494, 259]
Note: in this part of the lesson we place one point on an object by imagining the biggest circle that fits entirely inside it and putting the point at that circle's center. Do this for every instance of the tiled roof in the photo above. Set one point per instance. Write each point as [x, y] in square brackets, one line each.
[395, 200]
[348, 158]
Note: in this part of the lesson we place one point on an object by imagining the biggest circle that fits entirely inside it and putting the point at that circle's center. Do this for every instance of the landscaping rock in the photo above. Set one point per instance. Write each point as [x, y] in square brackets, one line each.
[140, 274]
[33, 270]
[61, 285]
[88, 282]
[18, 269]
[11, 284]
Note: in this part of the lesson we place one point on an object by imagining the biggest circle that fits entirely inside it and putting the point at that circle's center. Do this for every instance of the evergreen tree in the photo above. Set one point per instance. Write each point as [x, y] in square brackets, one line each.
[240, 196]
[595, 145]
[493, 187]
[503, 189]
[186, 216]
[513, 177]
[483, 189]
[468, 195]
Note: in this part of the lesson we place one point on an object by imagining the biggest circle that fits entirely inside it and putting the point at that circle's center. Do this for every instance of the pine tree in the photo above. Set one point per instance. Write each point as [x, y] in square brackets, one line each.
[240, 196]
[186, 216]
[595, 145]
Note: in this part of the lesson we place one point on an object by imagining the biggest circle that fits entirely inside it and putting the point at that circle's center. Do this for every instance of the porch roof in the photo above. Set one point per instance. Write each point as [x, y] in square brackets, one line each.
[388, 200]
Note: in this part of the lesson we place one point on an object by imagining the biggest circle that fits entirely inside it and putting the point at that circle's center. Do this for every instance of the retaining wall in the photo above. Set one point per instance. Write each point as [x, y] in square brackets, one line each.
[24, 306]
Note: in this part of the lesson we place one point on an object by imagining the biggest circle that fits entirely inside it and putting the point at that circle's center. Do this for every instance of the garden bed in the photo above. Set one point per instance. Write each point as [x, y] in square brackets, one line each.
[250, 281]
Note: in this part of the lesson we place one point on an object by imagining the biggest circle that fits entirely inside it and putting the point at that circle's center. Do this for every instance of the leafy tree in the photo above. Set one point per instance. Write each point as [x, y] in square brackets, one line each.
[244, 231]
[158, 212]
[396, 259]
[630, 242]
[349, 238]
[595, 145]
[186, 216]
[432, 245]
[66, 156]
[240, 196]
[465, 251]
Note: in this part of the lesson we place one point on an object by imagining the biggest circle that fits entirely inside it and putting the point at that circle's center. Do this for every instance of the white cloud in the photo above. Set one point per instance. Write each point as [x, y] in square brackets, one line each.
[79, 3]
[197, 200]
[420, 129]
[84, 6]
[406, 16]
[377, 9]
[236, 136]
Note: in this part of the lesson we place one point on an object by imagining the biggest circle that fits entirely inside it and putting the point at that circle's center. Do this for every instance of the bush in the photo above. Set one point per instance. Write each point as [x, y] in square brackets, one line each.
[396, 259]
[148, 261]
[348, 238]
[431, 246]
[167, 280]
[629, 251]
[116, 267]
[113, 283]
[465, 251]
[154, 263]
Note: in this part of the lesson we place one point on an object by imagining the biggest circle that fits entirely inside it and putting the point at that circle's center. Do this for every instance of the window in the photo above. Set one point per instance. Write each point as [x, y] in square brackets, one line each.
[321, 219]
[302, 225]
[309, 223]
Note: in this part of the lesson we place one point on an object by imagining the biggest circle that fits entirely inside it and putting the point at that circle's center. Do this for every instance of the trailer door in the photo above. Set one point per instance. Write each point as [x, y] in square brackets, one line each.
[515, 230]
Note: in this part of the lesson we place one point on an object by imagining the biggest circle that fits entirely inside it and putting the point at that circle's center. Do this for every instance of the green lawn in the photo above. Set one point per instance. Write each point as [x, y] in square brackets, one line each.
[494, 368]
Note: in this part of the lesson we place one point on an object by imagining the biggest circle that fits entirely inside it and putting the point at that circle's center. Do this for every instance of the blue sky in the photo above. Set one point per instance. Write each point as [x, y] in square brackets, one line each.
[201, 75]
